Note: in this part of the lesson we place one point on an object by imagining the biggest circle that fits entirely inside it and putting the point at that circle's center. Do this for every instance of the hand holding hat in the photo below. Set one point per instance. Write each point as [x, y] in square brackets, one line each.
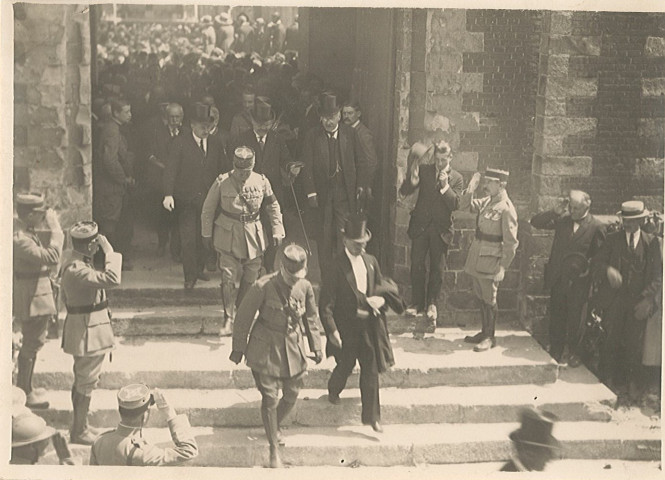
[614, 277]
[51, 220]
[376, 302]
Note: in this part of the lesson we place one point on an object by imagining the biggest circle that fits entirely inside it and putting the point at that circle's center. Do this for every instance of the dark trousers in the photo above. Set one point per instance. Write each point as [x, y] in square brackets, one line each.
[357, 345]
[193, 254]
[336, 210]
[566, 302]
[165, 222]
[429, 242]
[121, 231]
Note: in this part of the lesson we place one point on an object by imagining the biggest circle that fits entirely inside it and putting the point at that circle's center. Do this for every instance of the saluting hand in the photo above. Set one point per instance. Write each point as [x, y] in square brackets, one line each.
[474, 182]
[104, 244]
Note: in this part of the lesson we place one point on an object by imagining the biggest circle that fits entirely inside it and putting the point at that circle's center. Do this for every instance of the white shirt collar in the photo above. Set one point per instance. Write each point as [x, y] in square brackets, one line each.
[259, 137]
[334, 134]
[198, 140]
[359, 270]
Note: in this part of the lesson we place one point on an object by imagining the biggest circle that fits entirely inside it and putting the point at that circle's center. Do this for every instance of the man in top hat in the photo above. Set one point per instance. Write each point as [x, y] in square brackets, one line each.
[231, 223]
[275, 350]
[630, 266]
[492, 249]
[31, 436]
[577, 237]
[126, 446]
[352, 309]
[431, 224]
[113, 179]
[87, 333]
[271, 158]
[335, 176]
[534, 445]
[33, 302]
[193, 165]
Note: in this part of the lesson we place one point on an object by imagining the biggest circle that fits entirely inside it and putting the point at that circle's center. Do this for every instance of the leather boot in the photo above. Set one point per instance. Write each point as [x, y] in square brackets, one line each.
[490, 322]
[269, 417]
[283, 410]
[480, 336]
[228, 302]
[80, 433]
[26, 367]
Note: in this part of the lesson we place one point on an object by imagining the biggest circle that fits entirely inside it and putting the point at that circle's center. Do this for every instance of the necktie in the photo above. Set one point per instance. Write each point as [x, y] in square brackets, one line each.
[332, 156]
[632, 241]
[202, 147]
[262, 143]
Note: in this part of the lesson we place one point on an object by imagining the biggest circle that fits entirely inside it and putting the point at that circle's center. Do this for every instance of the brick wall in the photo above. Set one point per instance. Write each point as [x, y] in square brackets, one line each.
[52, 151]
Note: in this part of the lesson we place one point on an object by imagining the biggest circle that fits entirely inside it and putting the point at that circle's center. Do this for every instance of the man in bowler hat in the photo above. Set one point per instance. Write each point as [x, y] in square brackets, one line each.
[33, 300]
[352, 310]
[534, 445]
[126, 446]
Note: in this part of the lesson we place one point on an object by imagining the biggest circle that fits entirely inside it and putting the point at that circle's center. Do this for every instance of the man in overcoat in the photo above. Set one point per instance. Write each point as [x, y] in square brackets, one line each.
[352, 310]
[87, 333]
[275, 350]
[33, 300]
[492, 249]
[576, 232]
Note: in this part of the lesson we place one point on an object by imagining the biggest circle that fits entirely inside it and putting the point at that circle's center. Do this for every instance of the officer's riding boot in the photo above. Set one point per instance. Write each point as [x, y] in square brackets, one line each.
[228, 302]
[283, 410]
[26, 367]
[80, 433]
[480, 336]
[489, 340]
[269, 417]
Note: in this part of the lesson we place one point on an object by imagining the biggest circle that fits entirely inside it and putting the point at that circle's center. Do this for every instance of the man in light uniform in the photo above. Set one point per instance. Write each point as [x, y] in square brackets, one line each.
[32, 294]
[236, 232]
[87, 334]
[492, 250]
[126, 446]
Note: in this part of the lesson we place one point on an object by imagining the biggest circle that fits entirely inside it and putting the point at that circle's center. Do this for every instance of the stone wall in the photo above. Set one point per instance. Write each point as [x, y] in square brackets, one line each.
[52, 118]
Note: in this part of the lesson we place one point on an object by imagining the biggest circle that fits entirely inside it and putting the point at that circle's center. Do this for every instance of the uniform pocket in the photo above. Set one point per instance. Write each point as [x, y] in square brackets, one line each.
[100, 332]
[489, 258]
[223, 234]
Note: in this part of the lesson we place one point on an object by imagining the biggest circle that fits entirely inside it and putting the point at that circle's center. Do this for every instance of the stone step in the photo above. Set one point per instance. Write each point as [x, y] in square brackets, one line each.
[202, 363]
[400, 445]
[577, 398]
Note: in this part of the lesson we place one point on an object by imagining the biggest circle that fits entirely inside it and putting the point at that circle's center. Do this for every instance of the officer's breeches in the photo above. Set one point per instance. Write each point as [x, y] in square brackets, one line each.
[34, 336]
[86, 373]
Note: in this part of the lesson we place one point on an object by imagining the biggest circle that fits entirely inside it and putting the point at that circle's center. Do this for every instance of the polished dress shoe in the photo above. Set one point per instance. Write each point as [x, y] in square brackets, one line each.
[477, 338]
[485, 345]
[334, 399]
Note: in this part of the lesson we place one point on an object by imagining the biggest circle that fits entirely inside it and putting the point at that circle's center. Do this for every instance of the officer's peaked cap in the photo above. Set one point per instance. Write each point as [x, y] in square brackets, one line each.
[86, 230]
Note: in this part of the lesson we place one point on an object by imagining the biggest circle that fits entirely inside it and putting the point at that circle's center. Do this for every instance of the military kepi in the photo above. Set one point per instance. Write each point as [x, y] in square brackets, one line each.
[135, 399]
[86, 230]
[32, 200]
[496, 174]
[295, 260]
[243, 157]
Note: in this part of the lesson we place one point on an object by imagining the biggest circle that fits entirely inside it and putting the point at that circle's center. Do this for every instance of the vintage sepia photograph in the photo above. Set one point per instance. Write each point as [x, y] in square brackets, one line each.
[336, 240]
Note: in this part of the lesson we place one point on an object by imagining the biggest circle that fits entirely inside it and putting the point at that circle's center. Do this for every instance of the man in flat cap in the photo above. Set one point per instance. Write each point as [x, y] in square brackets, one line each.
[533, 443]
[235, 230]
[275, 350]
[126, 446]
[271, 157]
[431, 224]
[33, 300]
[194, 163]
[335, 177]
[577, 235]
[87, 333]
[630, 266]
[492, 249]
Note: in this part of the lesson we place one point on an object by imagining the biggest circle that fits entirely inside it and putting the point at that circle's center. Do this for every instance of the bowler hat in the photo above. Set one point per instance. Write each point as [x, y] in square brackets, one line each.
[633, 209]
[295, 260]
[202, 113]
[496, 174]
[86, 230]
[262, 111]
[355, 228]
[243, 157]
[329, 105]
[536, 429]
[135, 399]
[33, 201]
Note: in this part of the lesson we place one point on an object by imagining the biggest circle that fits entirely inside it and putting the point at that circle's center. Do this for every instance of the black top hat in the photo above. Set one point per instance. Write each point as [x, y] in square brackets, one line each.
[329, 104]
[202, 113]
[262, 111]
[355, 228]
[536, 429]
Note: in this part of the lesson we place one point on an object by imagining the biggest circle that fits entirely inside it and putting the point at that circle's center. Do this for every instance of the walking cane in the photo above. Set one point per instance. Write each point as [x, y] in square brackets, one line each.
[302, 224]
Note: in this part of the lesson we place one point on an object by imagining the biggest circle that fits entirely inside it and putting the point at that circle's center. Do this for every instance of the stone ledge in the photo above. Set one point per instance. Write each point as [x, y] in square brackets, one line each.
[566, 166]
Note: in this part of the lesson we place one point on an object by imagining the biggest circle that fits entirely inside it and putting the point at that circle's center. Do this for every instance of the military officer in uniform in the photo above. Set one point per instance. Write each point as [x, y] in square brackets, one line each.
[492, 249]
[275, 350]
[32, 295]
[87, 333]
[235, 231]
[125, 445]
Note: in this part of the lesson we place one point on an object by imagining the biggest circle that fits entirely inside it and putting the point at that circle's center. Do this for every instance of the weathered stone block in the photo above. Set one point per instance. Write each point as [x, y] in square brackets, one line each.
[46, 137]
[435, 122]
[473, 82]
[547, 185]
[557, 65]
[52, 95]
[456, 259]
[52, 159]
[561, 125]
[548, 105]
[651, 127]
[545, 145]
[653, 87]
[446, 103]
[560, 87]
[465, 161]
[574, 45]
[655, 47]
[648, 167]
[568, 166]
[545, 202]
[560, 22]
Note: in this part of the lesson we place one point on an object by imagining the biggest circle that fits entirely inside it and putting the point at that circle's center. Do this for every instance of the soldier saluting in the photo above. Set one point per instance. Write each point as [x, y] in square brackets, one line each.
[87, 333]
[235, 230]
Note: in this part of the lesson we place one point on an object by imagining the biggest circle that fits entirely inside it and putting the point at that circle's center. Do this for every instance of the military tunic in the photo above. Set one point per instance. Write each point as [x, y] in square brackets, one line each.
[495, 242]
[125, 446]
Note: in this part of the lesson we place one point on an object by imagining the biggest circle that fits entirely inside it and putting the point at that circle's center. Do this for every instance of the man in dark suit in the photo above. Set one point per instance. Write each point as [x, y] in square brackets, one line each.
[631, 262]
[431, 224]
[193, 165]
[351, 116]
[335, 175]
[576, 232]
[352, 313]
[271, 157]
